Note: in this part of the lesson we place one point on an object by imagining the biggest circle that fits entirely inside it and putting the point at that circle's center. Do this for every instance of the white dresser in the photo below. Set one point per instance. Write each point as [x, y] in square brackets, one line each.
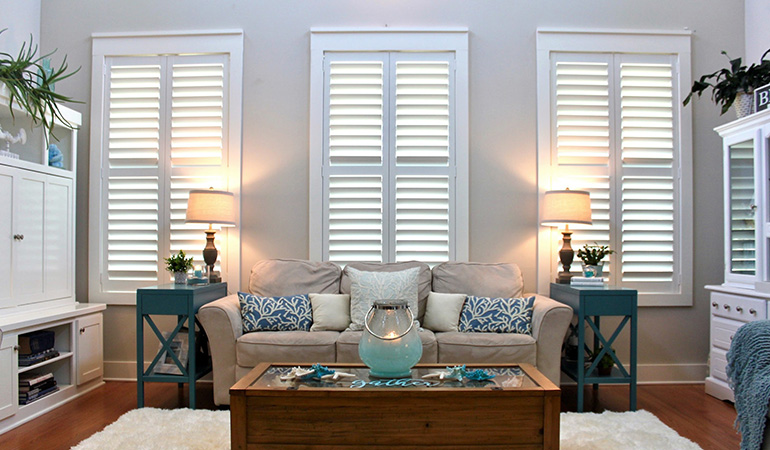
[745, 293]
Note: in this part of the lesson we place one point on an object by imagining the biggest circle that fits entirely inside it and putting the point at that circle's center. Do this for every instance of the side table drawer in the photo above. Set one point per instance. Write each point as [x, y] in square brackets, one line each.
[723, 330]
[735, 307]
[718, 366]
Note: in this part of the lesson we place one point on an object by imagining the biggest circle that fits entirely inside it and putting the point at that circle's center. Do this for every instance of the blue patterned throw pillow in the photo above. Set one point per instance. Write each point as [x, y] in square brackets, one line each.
[497, 315]
[288, 313]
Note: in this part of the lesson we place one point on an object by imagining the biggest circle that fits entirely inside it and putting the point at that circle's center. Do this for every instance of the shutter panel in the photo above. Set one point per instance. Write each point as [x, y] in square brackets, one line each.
[355, 218]
[133, 145]
[422, 218]
[743, 257]
[196, 145]
[647, 251]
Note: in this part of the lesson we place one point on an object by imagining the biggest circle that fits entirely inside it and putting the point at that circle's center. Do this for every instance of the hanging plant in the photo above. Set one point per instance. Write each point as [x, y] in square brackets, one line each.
[30, 85]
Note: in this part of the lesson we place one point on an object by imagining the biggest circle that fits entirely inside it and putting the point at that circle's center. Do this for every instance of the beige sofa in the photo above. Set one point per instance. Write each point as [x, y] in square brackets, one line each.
[234, 353]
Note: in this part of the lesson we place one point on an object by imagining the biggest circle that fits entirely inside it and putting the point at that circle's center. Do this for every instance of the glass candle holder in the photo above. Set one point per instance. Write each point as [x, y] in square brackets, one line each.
[390, 345]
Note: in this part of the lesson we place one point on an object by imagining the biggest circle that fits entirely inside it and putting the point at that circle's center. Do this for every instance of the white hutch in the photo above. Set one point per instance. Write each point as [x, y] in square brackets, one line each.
[37, 267]
[745, 293]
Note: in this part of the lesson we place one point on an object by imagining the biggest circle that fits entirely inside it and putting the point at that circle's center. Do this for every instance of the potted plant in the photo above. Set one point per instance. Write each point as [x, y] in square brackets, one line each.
[736, 82]
[592, 256]
[179, 265]
[606, 364]
[30, 85]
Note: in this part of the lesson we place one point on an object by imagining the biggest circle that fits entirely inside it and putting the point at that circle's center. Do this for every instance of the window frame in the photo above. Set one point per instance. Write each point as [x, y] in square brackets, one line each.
[324, 40]
[676, 43]
[106, 45]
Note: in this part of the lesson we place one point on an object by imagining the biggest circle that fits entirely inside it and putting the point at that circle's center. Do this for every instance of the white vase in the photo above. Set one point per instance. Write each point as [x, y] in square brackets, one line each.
[180, 277]
[744, 104]
[593, 271]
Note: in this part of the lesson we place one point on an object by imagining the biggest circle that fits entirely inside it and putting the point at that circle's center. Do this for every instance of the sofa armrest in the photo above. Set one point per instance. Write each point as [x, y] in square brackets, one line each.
[550, 322]
[221, 319]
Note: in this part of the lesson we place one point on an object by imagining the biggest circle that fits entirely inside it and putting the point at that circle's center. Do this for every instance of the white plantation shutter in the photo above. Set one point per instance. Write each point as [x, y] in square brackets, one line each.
[743, 257]
[614, 129]
[165, 118]
[388, 167]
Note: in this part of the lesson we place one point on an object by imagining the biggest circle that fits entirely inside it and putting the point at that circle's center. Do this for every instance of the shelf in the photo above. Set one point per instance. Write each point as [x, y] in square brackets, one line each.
[51, 398]
[616, 377]
[62, 355]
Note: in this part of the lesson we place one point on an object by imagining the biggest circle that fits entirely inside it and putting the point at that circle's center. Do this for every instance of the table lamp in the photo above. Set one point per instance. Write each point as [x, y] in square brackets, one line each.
[566, 207]
[211, 207]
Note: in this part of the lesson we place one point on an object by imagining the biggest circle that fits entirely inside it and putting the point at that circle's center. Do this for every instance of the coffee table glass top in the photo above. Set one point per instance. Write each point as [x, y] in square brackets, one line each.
[505, 377]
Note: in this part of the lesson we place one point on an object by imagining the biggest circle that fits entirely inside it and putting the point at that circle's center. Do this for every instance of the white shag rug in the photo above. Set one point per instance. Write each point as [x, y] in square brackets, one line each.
[151, 428]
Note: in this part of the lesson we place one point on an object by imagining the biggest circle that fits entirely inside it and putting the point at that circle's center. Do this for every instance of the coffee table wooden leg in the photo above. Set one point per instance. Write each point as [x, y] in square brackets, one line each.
[237, 422]
[551, 422]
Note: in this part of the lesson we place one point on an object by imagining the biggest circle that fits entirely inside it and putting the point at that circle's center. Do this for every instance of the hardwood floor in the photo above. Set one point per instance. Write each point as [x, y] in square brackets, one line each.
[684, 407]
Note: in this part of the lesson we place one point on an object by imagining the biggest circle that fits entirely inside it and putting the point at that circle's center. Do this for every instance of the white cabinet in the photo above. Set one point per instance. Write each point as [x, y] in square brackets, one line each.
[9, 385]
[89, 348]
[745, 293]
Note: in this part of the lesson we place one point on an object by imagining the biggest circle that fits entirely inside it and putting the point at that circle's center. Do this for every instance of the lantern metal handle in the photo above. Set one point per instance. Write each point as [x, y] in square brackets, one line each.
[411, 325]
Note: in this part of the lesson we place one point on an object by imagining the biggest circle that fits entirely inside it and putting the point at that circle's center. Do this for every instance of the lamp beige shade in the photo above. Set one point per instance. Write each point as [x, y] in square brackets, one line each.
[210, 206]
[566, 207]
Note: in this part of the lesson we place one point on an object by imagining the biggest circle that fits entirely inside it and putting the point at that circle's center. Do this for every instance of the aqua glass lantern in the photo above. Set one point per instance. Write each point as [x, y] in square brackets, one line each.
[390, 345]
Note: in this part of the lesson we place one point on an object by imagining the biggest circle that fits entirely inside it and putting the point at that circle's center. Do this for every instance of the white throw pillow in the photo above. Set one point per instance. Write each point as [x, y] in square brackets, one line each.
[443, 311]
[331, 312]
[366, 287]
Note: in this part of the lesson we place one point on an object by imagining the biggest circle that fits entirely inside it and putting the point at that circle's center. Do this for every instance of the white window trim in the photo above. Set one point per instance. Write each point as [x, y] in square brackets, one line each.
[616, 41]
[136, 44]
[365, 40]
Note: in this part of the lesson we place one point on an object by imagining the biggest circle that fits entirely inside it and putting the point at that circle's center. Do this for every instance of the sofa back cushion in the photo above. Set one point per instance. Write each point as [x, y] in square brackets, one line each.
[479, 279]
[276, 277]
[423, 278]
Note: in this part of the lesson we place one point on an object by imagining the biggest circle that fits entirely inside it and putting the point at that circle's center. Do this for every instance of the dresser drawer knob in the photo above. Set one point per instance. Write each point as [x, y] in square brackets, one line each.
[731, 337]
[18, 237]
[739, 309]
[726, 306]
[715, 304]
[753, 312]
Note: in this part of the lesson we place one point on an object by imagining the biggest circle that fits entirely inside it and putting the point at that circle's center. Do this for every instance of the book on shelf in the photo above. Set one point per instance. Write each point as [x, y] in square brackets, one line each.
[30, 378]
[36, 342]
[26, 401]
[587, 281]
[28, 360]
[27, 391]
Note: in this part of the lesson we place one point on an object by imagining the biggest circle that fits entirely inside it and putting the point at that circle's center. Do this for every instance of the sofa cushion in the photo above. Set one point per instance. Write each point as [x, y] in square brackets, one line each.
[347, 346]
[442, 312]
[480, 279]
[286, 347]
[289, 313]
[331, 312]
[274, 277]
[423, 279]
[368, 287]
[489, 348]
[497, 315]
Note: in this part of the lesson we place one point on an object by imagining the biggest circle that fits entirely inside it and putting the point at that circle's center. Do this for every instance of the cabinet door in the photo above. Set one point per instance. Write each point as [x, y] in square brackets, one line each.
[9, 384]
[89, 348]
[740, 211]
[58, 241]
[6, 236]
[28, 252]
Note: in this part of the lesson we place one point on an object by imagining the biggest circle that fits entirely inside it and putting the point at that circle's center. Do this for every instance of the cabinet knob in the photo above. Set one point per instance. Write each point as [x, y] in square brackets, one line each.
[753, 207]
[739, 309]
[82, 330]
[726, 306]
[18, 237]
[715, 304]
[753, 312]
[16, 348]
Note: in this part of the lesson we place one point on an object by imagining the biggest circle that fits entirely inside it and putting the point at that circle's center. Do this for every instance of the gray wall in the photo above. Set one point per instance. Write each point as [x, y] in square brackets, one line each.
[757, 29]
[20, 19]
[673, 342]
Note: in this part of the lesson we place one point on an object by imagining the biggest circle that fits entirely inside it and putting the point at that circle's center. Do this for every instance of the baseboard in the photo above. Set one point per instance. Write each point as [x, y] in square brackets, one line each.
[126, 371]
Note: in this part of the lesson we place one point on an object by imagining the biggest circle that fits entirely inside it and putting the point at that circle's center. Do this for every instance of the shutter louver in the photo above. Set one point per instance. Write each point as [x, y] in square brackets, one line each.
[132, 245]
[647, 152]
[355, 218]
[197, 133]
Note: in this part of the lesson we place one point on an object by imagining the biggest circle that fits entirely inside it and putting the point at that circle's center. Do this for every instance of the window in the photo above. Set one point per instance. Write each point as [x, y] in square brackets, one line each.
[389, 143]
[163, 123]
[611, 123]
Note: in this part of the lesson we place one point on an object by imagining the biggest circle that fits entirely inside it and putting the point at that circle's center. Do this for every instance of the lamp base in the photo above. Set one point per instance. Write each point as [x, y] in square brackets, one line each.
[564, 278]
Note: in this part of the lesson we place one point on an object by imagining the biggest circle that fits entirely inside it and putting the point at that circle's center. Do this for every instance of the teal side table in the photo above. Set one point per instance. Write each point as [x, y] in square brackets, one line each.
[179, 300]
[590, 304]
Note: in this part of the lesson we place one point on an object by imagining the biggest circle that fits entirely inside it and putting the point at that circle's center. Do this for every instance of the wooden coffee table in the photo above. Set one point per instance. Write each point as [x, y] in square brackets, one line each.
[517, 409]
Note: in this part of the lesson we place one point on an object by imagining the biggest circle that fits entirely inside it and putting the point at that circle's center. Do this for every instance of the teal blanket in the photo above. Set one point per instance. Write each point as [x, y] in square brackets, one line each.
[748, 369]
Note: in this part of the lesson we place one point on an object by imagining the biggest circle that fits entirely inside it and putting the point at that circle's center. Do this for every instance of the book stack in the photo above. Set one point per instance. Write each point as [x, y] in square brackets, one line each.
[36, 347]
[587, 281]
[34, 386]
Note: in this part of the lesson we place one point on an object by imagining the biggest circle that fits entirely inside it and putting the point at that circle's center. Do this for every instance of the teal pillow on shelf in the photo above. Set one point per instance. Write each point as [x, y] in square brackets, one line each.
[287, 313]
[497, 315]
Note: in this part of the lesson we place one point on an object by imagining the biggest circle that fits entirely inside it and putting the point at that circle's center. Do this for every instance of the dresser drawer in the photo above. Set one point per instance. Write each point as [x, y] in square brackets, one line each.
[722, 331]
[718, 366]
[735, 307]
